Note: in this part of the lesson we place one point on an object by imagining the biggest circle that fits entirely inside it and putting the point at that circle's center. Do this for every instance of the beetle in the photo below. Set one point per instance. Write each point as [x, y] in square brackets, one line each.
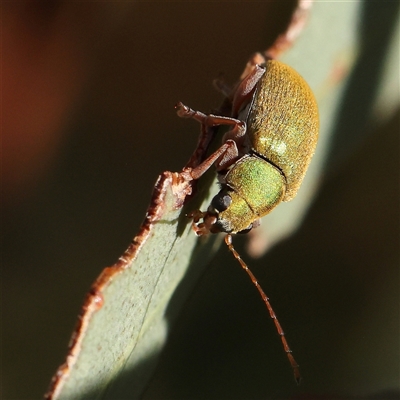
[263, 158]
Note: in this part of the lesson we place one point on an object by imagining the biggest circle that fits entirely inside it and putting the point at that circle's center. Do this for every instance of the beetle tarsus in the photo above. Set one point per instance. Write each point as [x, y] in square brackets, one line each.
[183, 111]
[205, 227]
[187, 112]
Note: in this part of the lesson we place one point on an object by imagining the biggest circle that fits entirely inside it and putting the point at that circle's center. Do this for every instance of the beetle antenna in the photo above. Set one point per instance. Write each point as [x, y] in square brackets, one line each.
[293, 363]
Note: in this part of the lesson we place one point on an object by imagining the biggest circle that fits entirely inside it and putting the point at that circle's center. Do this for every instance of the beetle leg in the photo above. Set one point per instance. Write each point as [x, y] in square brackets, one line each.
[246, 88]
[204, 227]
[207, 120]
[233, 140]
[255, 59]
[239, 127]
[187, 112]
[228, 157]
[223, 157]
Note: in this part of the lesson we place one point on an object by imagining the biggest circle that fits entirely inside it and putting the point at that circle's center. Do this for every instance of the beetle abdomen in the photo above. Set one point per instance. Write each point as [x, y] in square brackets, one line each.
[283, 123]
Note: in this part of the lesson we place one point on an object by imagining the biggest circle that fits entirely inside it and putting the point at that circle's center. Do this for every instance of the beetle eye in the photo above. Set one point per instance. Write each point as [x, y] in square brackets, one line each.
[221, 201]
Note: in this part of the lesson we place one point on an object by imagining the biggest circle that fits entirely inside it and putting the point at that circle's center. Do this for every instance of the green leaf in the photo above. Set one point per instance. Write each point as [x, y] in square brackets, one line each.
[125, 317]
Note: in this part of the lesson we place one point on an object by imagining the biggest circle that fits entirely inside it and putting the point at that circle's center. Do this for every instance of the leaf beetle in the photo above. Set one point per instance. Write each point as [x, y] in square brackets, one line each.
[263, 158]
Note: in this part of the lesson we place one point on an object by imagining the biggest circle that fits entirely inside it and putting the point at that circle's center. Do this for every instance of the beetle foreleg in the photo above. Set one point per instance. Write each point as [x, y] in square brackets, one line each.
[204, 227]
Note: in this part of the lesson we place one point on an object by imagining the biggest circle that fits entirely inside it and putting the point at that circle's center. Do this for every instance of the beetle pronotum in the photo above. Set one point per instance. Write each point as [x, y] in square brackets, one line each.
[263, 157]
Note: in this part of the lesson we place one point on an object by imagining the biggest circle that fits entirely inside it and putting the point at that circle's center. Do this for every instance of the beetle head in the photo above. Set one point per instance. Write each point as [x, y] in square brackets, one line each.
[228, 213]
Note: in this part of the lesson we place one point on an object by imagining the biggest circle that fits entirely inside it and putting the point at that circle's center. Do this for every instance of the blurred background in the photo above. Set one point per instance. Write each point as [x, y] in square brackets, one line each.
[88, 123]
